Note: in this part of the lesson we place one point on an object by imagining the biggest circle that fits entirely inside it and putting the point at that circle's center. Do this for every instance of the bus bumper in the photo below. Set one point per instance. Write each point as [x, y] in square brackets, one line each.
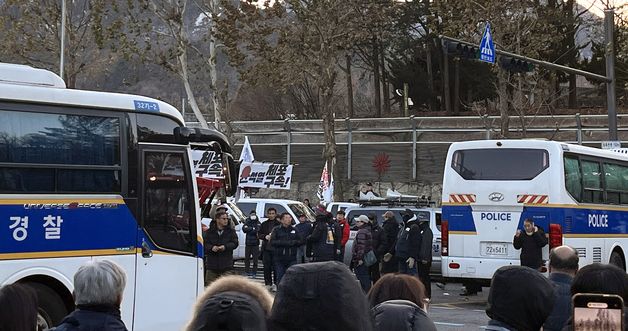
[472, 268]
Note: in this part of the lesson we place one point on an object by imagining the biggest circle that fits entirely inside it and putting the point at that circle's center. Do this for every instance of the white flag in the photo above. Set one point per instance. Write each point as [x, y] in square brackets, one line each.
[247, 152]
[325, 187]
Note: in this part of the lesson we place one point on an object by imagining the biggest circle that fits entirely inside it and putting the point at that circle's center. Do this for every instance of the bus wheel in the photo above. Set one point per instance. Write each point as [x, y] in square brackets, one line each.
[617, 260]
[51, 308]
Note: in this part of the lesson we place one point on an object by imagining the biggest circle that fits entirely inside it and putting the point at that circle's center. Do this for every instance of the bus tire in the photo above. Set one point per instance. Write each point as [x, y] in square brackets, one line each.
[51, 308]
[618, 260]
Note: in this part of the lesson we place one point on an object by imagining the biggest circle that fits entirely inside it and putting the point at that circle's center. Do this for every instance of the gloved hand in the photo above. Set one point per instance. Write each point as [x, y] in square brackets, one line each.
[410, 262]
[387, 257]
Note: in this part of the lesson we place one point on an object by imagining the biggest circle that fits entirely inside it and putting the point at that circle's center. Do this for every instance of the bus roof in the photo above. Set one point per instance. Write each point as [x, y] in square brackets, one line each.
[27, 84]
[539, 143]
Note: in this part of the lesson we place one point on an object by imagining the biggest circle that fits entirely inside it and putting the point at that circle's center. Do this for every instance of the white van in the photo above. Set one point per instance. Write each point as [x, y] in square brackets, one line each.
[260, 205]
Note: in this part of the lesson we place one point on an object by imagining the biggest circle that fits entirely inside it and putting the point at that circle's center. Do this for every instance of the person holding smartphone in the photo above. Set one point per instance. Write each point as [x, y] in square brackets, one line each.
[531, 243]
[600, 292]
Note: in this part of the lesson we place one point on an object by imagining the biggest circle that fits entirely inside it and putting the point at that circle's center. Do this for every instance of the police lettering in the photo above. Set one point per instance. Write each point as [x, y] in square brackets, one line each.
[598, 221]
[495, 216]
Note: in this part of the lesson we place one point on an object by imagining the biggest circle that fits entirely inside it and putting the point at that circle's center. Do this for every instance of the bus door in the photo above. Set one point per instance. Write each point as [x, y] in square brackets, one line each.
[167, 257]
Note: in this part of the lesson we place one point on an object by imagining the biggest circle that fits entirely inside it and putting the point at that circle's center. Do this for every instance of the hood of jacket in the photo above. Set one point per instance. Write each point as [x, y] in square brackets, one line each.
[401, 315]
[520, 297]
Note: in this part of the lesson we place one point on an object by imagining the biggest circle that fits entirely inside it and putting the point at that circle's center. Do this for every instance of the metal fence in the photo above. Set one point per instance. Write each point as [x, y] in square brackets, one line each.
[415, 147]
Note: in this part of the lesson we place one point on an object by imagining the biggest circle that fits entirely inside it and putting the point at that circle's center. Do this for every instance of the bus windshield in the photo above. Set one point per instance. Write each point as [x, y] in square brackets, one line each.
[500, 164]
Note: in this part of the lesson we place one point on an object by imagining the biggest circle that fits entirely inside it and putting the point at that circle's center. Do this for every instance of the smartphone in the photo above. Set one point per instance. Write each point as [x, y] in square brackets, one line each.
[598, 312]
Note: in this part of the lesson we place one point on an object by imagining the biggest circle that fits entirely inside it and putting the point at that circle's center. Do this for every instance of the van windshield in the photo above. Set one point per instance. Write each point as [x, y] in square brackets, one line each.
[500, 163]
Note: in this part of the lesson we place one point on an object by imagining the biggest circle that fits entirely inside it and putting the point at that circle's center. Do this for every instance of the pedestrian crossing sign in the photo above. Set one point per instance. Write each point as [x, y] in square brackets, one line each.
[487, 47]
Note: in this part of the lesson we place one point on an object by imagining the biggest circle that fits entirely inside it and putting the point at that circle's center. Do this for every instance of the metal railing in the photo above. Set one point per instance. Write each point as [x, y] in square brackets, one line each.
[415, 131]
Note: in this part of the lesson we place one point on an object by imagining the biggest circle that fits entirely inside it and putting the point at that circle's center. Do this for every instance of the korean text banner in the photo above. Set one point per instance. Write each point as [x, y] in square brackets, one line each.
[207, 164]
[265, 175]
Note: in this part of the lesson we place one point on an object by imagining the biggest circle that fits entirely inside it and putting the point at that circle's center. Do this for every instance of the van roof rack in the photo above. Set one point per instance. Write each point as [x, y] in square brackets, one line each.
[418, 202]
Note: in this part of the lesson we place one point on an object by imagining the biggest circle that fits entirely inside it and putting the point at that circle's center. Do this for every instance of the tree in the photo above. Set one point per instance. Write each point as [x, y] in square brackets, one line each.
[32, 36]
[517, 28]
[295, 42]
[157, 31]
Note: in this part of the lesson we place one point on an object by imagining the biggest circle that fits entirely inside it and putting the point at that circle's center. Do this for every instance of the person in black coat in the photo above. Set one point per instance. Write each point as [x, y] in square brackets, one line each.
[325, 238]
[531, 244]
[285, 241]
[408, 245]
[380, 245]
[251, 249]
[391, 228]
[220, 241]
[563, 265]
[304, 229]
[270, 277]
[425, 255]
[98, 291]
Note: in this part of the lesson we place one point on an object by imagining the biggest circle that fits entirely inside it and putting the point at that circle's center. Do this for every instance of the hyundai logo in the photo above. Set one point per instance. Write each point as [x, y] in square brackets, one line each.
[496, 197]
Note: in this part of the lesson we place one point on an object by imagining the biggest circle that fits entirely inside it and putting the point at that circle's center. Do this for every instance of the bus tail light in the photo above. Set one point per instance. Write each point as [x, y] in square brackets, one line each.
[444, 238]
[454, 265]
[555, 235]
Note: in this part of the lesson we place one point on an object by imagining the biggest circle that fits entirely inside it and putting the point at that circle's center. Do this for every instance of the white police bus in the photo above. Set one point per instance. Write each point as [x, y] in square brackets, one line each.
[577, 194]
[89, 175]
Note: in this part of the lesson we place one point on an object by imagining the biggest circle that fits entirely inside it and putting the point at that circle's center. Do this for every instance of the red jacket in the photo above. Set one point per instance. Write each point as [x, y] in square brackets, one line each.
[346, 231]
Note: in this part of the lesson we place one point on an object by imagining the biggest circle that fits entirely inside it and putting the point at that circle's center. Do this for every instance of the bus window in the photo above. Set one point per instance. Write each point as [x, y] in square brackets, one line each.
[167, 206]
[500, 164]
[591, 179]
[573, 178]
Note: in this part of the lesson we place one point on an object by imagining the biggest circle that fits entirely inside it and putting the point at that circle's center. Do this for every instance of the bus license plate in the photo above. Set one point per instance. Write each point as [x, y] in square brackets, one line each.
[494, 249]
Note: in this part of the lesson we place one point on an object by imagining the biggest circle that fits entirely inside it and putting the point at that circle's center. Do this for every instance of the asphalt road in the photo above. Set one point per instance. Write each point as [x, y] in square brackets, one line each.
[448, 309]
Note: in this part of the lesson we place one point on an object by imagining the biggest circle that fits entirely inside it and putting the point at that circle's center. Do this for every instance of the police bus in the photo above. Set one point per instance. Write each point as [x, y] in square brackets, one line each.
[578, 195]
[89, 175]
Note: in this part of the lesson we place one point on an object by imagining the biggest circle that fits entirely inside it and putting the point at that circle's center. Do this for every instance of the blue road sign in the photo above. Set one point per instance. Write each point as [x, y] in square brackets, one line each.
[487, 47]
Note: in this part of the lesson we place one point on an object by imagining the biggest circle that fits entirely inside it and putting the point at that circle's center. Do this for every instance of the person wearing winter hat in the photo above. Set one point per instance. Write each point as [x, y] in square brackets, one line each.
[232, 303]
[250, 227]
[361, 246]
[520, 298]
[320, 296]
[408, 245]
[325, 238]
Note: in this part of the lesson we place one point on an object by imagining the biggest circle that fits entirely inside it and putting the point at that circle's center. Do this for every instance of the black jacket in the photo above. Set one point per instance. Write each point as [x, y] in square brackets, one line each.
[427, 237]
[266, 228]
[380, 241]
[362, 244]
[401, 315]
[531, 248]
[251, 227]
[322, 249]
[562, 306]
[285, 241]
[92, 318]
[391, 229]
[408, 241]
[223, 259]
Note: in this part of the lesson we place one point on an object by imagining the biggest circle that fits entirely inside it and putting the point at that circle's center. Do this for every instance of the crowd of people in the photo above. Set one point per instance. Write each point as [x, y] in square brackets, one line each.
[404, 247]
[386, 286]
[311, 295]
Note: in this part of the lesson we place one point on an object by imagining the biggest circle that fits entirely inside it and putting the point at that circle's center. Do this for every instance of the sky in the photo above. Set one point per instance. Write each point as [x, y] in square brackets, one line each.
[597, 6]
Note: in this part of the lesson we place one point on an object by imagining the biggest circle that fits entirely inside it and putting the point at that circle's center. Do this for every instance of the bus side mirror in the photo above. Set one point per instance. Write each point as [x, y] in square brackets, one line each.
[231, 171]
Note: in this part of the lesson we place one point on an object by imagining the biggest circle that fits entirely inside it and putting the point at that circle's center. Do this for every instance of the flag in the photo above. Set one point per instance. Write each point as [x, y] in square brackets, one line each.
[326, 187]
[247, 152]
[245, 156]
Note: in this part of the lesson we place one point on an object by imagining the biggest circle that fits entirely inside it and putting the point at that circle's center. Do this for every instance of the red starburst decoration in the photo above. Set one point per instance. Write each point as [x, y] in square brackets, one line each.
[381, 163]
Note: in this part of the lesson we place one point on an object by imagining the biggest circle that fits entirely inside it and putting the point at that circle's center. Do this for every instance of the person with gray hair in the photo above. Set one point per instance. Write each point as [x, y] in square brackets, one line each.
[98, 290]
[563, 265]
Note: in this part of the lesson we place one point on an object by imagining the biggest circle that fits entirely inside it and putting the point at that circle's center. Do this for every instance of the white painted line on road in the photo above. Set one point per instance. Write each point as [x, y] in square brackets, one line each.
[440, 307]
[449, 324]
[479, 310]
